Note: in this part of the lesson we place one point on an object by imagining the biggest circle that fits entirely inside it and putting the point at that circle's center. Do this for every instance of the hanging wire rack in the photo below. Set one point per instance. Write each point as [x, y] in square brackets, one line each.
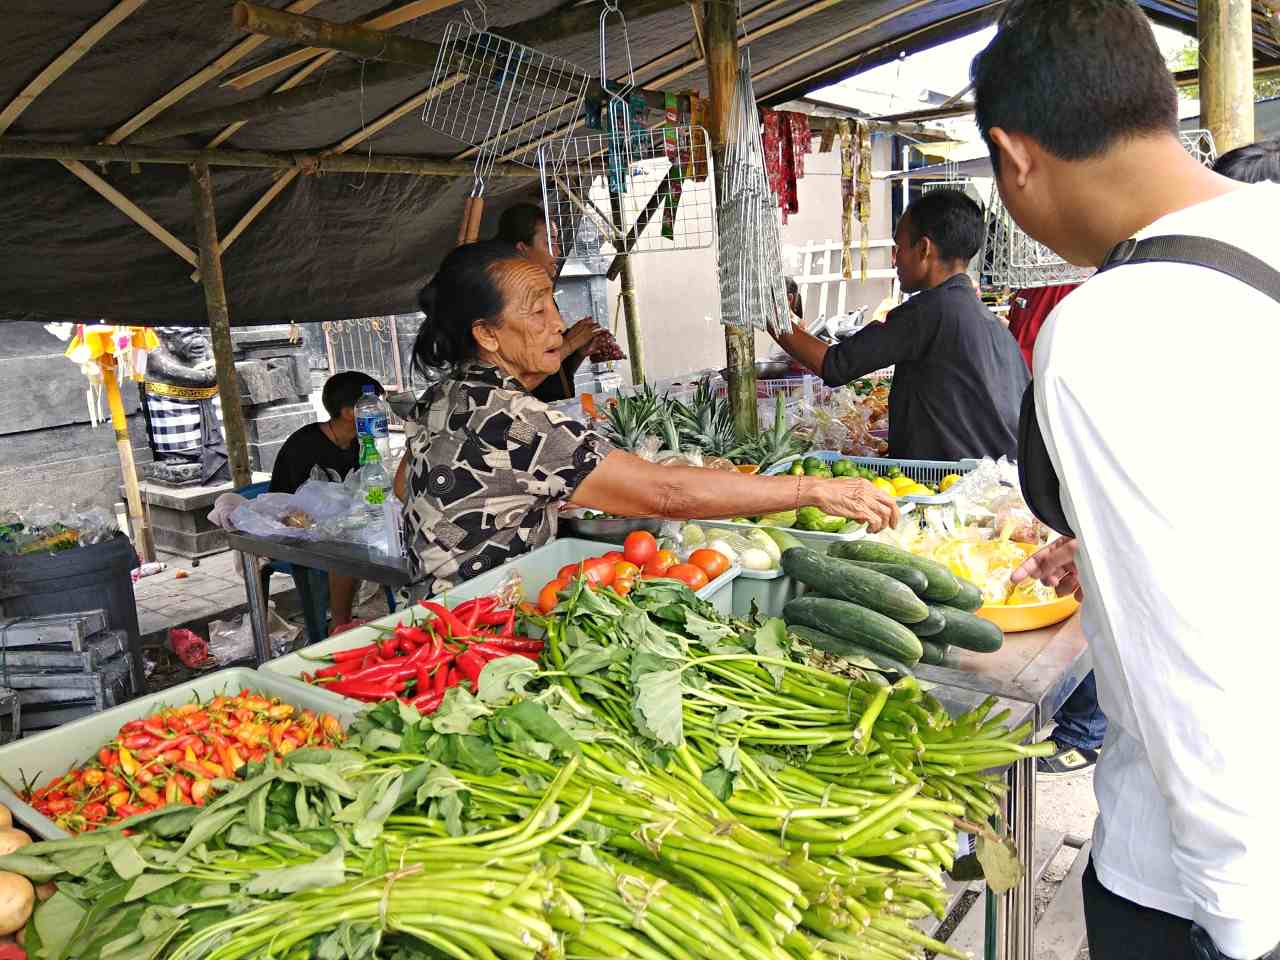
[753, 289]
[1012, 259]
[629, 188]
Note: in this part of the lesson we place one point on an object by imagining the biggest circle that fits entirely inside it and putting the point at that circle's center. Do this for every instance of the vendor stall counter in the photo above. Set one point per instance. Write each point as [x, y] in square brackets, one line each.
[354, 560]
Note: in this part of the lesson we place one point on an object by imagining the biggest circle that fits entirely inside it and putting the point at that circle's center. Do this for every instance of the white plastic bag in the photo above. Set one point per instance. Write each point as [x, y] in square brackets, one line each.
[232, 640]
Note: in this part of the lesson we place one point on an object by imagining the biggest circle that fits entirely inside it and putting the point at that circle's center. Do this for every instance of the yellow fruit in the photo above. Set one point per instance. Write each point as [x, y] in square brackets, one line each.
[948, 481]
[919, 490]
[883, 484]
[903, 483]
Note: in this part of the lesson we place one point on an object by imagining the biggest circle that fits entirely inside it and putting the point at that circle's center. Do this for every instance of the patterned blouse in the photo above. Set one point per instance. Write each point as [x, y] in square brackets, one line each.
[489, 467]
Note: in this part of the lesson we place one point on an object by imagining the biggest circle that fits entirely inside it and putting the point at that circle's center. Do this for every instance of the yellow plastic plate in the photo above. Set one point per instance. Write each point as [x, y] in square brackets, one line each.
[1030, 616]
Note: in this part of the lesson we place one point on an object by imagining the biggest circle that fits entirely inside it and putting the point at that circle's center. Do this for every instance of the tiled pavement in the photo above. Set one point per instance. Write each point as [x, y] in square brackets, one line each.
[211, 591]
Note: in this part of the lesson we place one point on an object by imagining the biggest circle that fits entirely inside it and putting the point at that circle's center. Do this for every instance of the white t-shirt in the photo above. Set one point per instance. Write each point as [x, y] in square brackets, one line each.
[1156, 389]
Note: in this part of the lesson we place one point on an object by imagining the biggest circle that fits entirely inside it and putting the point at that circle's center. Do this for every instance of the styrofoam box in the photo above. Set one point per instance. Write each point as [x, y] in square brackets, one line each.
[45, 756]
[535, 568]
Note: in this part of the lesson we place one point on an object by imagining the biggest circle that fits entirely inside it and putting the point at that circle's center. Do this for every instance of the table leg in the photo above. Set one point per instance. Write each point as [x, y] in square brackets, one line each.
[1022, 827]
[257, 608]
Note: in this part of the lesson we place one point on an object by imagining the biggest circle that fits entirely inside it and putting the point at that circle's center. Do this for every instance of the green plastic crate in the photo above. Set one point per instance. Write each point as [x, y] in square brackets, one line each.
[769, 590]
[535, 568]
[44, 756]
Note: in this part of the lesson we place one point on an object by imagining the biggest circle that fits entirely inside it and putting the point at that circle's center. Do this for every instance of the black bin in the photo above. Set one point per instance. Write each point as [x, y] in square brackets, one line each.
[95, 577]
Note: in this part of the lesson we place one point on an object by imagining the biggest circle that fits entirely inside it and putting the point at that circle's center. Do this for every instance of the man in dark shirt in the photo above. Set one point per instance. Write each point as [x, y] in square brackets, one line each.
[958, 374]
[525, 225]
[324, 451]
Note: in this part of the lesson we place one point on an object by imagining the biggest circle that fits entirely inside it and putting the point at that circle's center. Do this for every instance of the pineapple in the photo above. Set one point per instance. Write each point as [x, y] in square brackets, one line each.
[631, 419]
[706, 423]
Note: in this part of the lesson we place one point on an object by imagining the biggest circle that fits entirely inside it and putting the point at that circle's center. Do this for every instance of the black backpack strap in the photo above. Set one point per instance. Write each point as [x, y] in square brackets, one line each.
[1199, 252]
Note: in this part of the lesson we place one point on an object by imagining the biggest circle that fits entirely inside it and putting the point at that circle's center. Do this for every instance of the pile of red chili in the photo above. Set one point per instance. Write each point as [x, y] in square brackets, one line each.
[419, 662]
[174, 756]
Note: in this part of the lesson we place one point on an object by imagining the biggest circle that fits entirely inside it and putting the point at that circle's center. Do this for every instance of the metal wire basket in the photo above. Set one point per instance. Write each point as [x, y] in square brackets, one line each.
[500, 94]
[603, 193]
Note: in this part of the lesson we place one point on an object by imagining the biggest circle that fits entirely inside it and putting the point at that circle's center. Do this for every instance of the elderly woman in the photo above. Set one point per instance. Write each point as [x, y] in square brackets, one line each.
[489, 466]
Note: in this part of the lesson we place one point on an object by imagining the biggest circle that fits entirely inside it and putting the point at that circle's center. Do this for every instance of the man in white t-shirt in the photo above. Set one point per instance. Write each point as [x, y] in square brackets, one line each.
[1151, 381]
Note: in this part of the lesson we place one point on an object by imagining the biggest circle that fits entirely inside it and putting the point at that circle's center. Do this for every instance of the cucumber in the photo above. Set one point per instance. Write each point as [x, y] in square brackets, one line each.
[848, 621]
[846, 648]
[968, 599]
[970, 633]
[937, 654]
[943, 585]
[842, 580]
[912, 577]
[933, 625]
[784, 540]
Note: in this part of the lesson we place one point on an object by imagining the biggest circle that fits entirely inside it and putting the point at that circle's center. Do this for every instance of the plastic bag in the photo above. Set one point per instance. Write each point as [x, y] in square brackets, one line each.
[232, 640]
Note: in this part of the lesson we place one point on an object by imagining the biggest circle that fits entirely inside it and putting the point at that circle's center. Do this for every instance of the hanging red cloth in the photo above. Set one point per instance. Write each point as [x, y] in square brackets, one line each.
[1029, 309]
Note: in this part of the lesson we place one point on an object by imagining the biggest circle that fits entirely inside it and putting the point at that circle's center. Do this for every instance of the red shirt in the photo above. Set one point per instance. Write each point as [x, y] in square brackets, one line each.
[1028, 311]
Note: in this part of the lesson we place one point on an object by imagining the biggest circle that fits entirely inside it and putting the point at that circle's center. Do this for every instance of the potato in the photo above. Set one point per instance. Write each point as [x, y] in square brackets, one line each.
[17, 899]
[6, 816]
[12, 839]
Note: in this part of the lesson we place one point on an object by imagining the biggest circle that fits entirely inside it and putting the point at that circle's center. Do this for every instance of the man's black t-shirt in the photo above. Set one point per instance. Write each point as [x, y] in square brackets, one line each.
[309, 453]
[958, 378]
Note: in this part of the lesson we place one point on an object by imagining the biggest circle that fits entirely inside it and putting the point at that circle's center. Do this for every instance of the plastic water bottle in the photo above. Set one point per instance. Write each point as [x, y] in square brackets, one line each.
[377, 493]
[371, 421]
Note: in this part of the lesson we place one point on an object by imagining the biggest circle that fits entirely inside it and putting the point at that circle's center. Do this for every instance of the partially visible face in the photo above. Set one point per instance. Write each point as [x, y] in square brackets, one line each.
[910, 258]
[526, 337]
[1027, 189]
[542, 250]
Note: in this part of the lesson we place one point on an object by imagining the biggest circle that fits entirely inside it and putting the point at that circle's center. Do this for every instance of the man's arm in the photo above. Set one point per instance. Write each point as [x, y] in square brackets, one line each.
[804, 347]
[900, 338]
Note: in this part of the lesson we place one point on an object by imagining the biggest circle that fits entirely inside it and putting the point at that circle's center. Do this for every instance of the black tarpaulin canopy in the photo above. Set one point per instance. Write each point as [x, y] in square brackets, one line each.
[304, 246]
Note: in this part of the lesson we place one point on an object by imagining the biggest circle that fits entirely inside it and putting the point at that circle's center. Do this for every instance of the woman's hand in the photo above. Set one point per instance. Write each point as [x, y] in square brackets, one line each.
[1054, 566]
[579, 336]
[857, 499]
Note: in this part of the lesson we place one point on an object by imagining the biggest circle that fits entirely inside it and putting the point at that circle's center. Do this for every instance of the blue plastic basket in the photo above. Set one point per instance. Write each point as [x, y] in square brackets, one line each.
[922, 471]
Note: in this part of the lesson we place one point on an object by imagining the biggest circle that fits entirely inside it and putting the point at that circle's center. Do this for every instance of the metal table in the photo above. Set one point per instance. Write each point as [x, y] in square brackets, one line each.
[1033, 674]
[354, 560]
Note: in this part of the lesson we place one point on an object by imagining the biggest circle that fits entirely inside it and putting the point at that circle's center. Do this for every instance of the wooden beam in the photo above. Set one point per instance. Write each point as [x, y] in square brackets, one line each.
[130, 210]
[961, 109]
[1226, 71]
[215, 305]
[849, 34]
[392, 18]
[198, 79]
[721, 41]
[306, 162]
[66, 60]
[294, 81]
[1189, 78]
[278, 103]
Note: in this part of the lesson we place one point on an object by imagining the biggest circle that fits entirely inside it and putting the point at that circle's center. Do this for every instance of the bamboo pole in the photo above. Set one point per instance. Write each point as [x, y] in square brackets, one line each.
[309, 162]
[1226, 71]
[130, 210]
[143, 541]
[627, 290]
[721, 41]
[215, 303]
[66, 60]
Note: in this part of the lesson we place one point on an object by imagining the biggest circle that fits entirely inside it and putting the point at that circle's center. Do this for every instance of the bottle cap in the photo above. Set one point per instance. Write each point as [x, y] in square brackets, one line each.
[369, 388]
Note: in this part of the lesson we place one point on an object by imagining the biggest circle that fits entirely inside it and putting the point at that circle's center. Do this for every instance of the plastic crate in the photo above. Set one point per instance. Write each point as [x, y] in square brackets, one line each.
[536, 568]
[922, 471]
[769, 590]
[47, 755]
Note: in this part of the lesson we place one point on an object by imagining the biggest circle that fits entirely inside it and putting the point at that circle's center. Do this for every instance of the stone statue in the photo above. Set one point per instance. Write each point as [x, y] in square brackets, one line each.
[183, 413]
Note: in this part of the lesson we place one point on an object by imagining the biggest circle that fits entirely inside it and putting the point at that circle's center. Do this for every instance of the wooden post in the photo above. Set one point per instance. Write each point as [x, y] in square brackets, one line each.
[721, 39]
[142, 541]
[1226, 71]
[627, 289]
[215, 305]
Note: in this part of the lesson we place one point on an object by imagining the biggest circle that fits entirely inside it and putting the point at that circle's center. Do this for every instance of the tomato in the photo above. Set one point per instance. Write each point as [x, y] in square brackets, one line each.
[598, 571]
[694, 577]
[640, 547]
[549, 596]
[622, 586]
[569, 571]
[613, 556]
[625, 570]
[660, 564]
[712, 562]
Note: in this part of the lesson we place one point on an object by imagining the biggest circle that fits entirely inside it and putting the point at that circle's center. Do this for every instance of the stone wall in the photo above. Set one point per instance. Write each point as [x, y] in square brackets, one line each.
[275, 383]
[49, 453]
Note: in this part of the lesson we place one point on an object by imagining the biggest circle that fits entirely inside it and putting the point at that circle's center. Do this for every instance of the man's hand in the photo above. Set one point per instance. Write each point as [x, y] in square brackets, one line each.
[578, 336]
[1054, 566]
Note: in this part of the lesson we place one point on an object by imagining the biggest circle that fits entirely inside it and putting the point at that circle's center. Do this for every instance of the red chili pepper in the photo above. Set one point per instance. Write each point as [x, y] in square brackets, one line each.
[387, 648]
[336, 670]
[454, 677]
[133, 726]
[471, 663]
[452, 625]
[509, 626]
[439, 676]
[355, 653]
[492, 652]
[423, 677]
[107, 757]
[415, 635]
[94, 811]
[428, 703]
[394, 670]
[513, 644]
[370, 690]
[198, 721]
